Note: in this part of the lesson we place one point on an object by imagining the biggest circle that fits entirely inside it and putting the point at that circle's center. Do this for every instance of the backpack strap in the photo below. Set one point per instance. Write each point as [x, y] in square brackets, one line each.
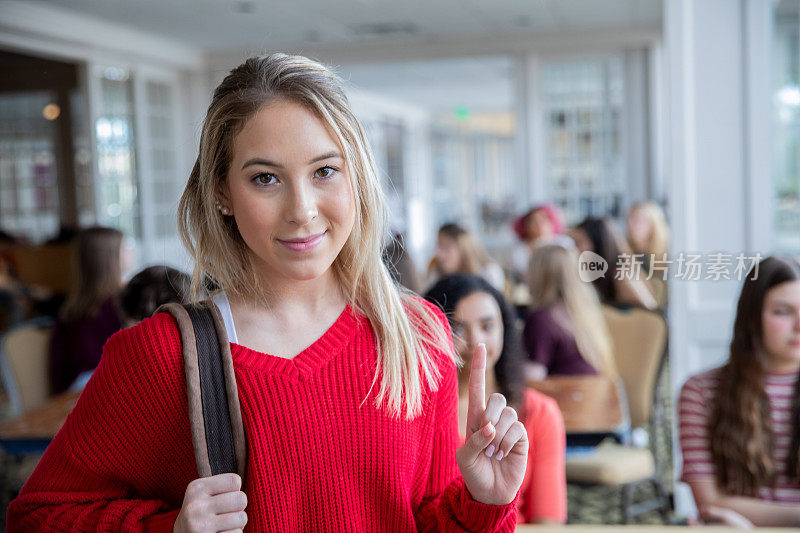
[215, 415]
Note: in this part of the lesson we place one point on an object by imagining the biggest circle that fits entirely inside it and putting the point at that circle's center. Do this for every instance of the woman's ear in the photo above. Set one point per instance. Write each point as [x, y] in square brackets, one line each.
[223, 203]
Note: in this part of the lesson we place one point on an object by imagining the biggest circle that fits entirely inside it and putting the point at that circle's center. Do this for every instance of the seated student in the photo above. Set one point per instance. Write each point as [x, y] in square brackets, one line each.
[739, 429]
[542, 224]
[458, 251]
[90, 314]
[479, 314]
[648, 235]
[150, 289]
[565, 332]
[598, 235]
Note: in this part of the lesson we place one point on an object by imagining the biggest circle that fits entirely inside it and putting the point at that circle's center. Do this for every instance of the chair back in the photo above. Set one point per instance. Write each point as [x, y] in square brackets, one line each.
[640, 346]
[48, 266]
[589, 404]
[24, 362]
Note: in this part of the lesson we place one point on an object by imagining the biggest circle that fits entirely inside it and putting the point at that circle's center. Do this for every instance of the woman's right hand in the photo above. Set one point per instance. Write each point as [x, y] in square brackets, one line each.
[212, 504]
[725, 516]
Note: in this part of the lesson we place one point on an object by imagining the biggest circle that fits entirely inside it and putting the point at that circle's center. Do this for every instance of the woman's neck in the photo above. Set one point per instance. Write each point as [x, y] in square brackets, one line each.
[773, 365]
[295, 298]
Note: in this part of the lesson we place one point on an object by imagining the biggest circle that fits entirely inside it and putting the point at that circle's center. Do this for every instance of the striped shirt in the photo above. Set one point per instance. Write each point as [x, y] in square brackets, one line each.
[694, 411]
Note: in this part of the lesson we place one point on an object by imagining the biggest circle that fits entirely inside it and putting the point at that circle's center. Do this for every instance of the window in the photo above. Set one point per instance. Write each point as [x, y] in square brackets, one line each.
[116, 154]
[28, 178]
[474, 180]
[167, 185]
[583, 106]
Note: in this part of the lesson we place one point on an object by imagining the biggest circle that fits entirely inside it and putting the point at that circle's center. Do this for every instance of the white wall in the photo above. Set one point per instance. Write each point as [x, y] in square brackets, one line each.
[718, 166]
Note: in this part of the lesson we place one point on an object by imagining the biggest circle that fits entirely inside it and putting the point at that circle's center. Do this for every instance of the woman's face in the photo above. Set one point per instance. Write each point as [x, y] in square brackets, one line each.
[780, 326]
[290, 192]
[538, 226]
[582, 241]
[476, 320]
[448, 256]
[639, 228]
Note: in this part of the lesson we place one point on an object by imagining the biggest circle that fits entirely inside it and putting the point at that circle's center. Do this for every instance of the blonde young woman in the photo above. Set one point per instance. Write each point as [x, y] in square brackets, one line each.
[348, 386]
[648, 235]
[565, 332]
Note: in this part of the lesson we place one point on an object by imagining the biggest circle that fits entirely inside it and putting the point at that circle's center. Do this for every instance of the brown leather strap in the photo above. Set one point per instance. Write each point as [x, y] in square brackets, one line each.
[194, 390]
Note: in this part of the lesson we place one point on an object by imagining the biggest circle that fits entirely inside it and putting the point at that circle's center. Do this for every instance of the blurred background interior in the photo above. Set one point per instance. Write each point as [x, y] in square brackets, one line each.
[476, 111]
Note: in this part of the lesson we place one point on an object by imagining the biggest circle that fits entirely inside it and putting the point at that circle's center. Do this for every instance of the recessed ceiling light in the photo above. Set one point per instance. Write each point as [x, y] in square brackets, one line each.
[244, 7]
[384, 29]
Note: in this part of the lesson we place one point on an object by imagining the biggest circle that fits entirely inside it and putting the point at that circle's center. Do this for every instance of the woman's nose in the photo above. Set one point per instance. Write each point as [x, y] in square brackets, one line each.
[302, 205]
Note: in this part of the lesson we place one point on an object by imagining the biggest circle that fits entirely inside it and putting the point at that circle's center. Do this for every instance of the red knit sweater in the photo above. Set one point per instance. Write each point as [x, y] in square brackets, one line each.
[318, 459]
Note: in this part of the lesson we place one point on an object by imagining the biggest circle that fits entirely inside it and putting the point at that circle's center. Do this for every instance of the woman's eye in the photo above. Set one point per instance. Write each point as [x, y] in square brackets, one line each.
[325, 172]
[264, 179]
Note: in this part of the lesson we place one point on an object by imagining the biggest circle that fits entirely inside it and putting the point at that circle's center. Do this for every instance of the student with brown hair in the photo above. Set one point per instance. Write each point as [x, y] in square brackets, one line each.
[598, 235]
[457, 250]
[740, 423]
[91, 314]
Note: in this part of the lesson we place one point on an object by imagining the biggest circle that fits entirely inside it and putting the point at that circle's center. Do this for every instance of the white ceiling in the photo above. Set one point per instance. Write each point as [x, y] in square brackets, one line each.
[259, 24]
[439, 85]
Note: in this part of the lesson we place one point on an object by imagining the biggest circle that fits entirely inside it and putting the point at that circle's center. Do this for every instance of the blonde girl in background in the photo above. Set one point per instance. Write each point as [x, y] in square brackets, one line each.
[565, 332]
[648, 235]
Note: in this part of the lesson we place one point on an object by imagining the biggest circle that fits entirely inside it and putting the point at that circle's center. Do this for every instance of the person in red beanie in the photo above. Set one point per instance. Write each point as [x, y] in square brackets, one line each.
[542, 224]
[347, 383]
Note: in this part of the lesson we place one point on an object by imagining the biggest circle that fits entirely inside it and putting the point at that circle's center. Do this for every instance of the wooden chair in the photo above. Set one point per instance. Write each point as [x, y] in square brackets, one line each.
[589, 404]
[24, 356]
[640, 347]
[48, 266]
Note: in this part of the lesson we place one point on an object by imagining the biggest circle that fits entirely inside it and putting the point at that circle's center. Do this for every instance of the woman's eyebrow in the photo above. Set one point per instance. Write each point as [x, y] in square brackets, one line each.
[268, 163]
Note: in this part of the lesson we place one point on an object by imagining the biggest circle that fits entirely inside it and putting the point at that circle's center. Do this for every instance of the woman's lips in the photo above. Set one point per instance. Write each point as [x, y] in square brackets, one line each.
[303, 244]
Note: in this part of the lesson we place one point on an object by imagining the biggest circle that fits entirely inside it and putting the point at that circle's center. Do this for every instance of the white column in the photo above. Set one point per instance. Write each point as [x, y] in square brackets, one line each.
[718, 148]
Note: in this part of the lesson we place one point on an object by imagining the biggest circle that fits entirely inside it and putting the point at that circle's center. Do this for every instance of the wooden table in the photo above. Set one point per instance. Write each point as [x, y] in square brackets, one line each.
[589, 404]
[32, 432]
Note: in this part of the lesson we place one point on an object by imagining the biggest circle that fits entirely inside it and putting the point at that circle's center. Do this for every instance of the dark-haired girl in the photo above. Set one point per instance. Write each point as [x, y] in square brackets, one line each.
[478, 314]
[739, 430]
[599, 236]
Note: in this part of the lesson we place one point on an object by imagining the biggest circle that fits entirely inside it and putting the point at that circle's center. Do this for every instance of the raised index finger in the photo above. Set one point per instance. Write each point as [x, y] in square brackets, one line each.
[477, 390]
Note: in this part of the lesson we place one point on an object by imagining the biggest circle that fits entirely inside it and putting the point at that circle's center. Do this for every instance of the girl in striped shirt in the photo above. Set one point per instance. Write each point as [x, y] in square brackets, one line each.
[739, 430]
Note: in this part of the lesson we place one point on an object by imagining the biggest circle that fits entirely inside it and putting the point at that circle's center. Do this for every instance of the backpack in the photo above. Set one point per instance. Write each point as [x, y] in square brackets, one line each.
[215, 415]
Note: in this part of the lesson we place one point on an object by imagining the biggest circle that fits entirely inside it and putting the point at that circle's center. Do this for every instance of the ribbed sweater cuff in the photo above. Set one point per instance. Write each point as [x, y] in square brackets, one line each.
[476, 516]
[160, 523]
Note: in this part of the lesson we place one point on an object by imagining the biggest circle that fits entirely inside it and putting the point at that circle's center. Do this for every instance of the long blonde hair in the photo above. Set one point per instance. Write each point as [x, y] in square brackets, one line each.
[97, 272]
[658, 243]
[554, 279]
[406, 329]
